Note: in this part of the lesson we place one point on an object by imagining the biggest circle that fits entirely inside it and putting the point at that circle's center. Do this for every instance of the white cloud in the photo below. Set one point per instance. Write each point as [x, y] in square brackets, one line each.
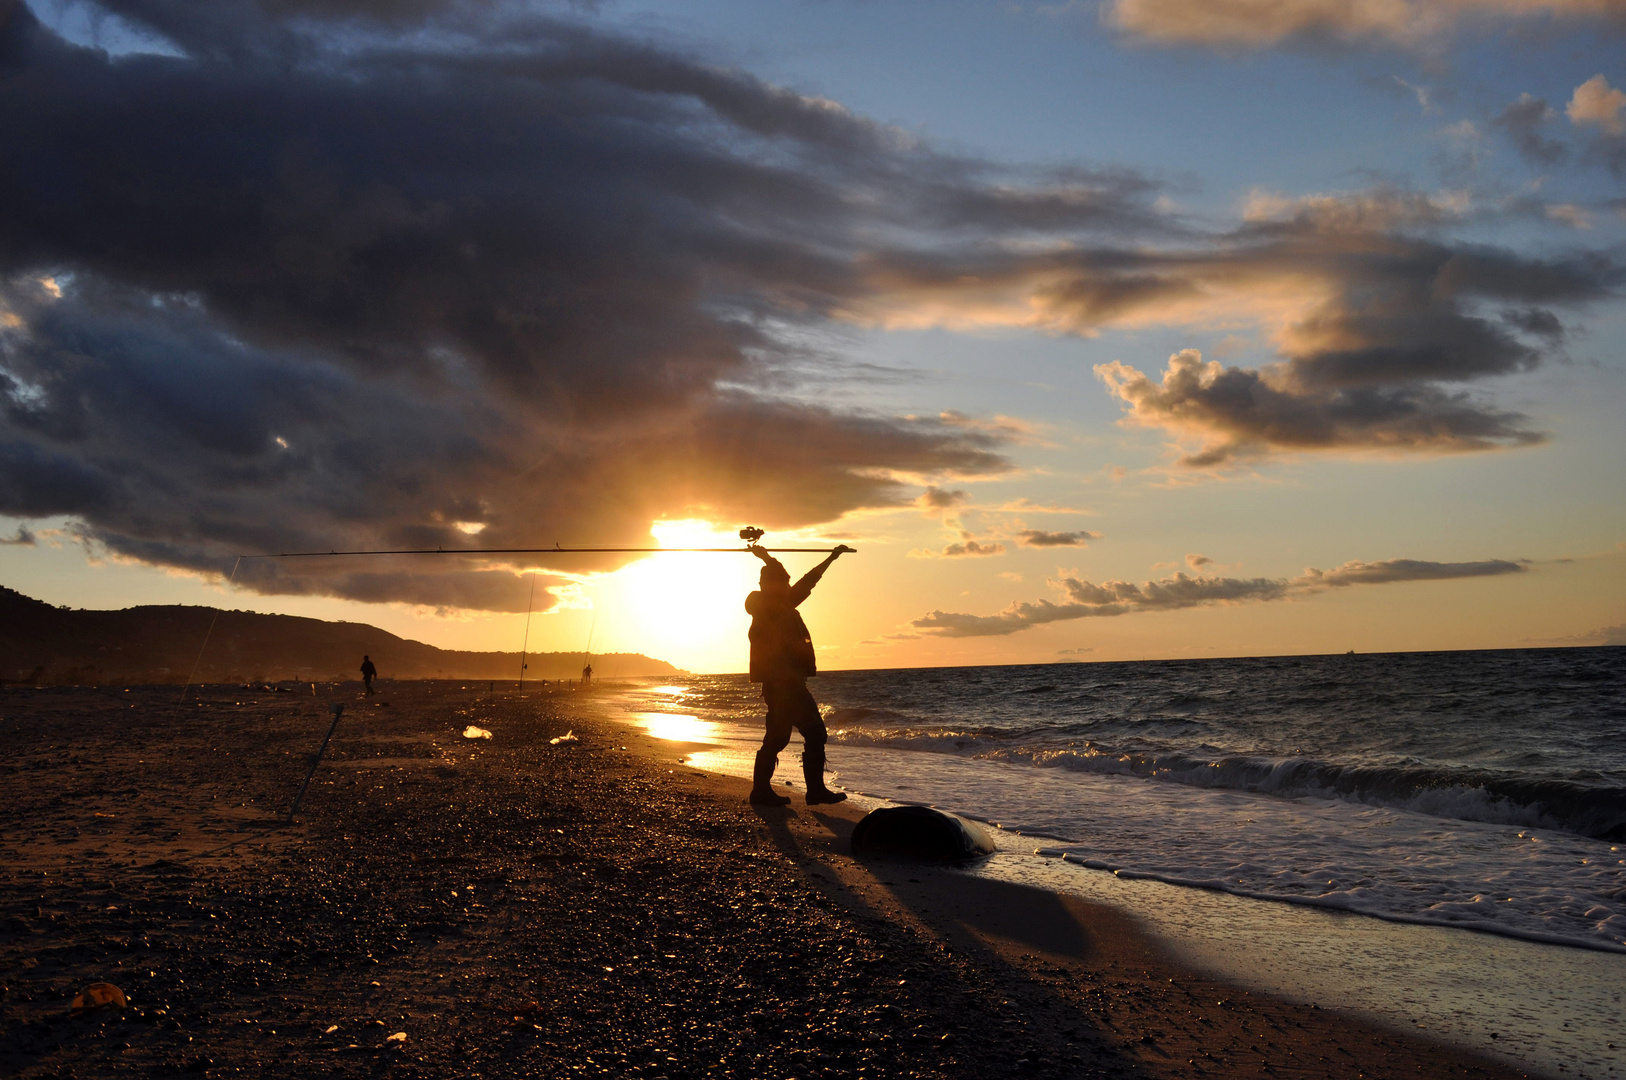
[1422, 93]
[1576, 217]
[1596, 102]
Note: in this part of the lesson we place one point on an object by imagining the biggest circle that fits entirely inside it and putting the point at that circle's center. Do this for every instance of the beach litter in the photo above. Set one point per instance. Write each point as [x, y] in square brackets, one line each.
[97, 996]
[564, 740]
[472, 732]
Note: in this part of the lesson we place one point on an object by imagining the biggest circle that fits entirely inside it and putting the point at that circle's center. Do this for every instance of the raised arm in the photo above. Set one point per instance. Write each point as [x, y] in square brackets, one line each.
[800, 590]
[768, 560]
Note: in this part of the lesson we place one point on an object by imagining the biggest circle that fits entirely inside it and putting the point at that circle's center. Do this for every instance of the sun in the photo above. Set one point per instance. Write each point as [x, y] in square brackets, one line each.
[692, 533]
[684, 607]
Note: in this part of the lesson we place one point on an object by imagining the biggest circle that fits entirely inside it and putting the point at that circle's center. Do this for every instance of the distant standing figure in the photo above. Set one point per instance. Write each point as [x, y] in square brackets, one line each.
[368, 674]
[587, 674]
[782, 661]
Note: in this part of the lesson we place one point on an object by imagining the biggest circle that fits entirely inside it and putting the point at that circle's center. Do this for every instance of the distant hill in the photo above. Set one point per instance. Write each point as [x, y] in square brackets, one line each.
[41, 644]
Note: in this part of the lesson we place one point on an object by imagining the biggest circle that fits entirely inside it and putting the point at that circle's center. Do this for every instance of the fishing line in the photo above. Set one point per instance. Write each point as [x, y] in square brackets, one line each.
[526, 643]
[187, 685]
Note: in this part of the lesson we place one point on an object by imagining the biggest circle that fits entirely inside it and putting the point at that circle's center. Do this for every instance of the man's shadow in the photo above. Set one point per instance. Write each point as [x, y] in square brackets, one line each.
[956, 906]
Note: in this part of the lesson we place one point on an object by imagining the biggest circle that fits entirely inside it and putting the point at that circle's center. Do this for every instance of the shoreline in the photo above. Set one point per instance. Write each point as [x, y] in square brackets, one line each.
[1549, 1007]
[515, 906]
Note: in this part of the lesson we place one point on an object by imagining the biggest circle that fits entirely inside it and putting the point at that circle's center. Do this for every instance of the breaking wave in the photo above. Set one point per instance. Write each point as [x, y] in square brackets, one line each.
[1465, 794]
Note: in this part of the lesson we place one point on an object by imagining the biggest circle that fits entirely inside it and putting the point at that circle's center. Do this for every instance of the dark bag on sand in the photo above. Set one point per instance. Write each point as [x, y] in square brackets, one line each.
[919, 832]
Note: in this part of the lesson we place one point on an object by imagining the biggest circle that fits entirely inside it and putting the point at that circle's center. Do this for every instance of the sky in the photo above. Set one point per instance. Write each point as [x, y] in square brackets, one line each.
[1123, 330]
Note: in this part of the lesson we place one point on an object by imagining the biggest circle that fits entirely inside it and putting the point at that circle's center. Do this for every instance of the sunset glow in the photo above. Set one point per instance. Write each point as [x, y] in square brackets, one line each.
[675, 727]
[1186, 432]
[1124, 358]
[682, 607]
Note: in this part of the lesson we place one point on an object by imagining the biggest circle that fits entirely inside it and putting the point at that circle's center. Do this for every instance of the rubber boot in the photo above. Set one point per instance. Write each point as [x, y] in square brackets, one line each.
[813, 773]
[762, 792]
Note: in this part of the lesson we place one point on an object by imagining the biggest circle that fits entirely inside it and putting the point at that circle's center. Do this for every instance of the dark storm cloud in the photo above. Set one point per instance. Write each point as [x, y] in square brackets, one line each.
[405, 294]
[1374, 318]
[1379, 307]
[1524, 121]
[1238, 413]
[431, 274]
[184, 446]
[37, 483]
[1086, 600]
[1369, 364]
[1537, 321]
[434, 582]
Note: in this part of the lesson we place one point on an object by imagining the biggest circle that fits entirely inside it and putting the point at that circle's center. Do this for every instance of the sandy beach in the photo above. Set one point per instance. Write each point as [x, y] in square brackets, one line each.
[512, 906]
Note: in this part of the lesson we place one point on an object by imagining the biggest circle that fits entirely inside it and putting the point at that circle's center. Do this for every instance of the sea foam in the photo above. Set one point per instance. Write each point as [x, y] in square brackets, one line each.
[1478, 790]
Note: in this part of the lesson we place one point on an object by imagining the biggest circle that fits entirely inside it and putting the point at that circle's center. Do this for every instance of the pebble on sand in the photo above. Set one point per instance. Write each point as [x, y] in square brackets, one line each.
[99, 995]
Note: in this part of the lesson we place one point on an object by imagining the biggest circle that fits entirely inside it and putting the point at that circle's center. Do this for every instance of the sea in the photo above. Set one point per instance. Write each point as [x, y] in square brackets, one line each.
[1317, 813]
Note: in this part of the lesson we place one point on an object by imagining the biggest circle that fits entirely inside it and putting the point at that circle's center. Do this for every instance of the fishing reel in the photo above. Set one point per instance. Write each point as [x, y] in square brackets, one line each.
[751, 534]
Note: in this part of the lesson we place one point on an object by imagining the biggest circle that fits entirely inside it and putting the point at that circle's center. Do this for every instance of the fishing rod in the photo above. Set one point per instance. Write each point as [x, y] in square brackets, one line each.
[535, 551]
[750, 535]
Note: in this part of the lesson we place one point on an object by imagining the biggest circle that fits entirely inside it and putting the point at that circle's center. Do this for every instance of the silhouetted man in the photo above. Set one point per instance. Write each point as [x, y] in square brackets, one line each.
[587, 674]
[368, 674]
[782, 661]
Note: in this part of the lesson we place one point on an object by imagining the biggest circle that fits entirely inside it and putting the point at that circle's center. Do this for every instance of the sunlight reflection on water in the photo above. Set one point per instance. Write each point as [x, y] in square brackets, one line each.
[1555, 1010]
[676, 727]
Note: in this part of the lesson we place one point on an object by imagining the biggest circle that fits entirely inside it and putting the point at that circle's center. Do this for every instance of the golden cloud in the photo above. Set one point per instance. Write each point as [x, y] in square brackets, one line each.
[1596, 102]
[1084, 599]
[1254, 24]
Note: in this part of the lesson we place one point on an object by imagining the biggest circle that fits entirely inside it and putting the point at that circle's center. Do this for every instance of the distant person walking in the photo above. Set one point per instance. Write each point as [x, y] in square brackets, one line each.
[587, 674]
[368, 674]
[782, 661]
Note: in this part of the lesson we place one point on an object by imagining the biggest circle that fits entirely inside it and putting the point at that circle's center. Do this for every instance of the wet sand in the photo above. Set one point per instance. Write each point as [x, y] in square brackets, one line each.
[519, 908]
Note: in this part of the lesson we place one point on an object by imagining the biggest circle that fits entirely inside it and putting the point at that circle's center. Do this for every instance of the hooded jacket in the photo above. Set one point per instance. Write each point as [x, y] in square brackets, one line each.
[781, 647]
